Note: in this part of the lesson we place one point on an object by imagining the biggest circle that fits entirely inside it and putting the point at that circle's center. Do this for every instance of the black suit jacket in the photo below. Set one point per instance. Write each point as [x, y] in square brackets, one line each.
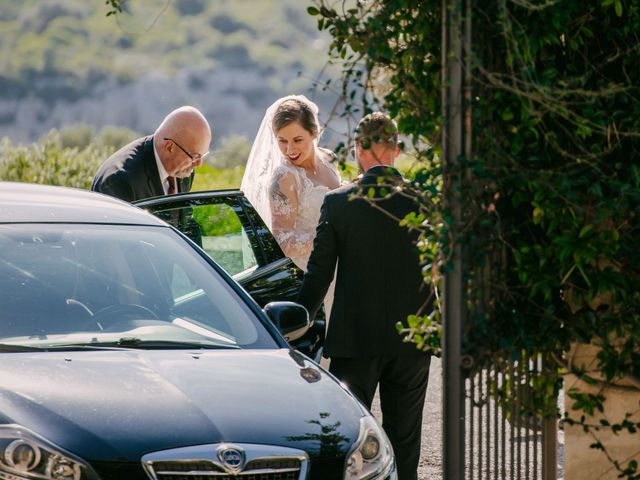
[379, 280]
[131, 173]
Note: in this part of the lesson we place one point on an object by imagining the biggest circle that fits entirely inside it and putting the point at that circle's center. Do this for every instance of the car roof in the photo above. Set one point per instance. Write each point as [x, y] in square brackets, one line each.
[31, 203]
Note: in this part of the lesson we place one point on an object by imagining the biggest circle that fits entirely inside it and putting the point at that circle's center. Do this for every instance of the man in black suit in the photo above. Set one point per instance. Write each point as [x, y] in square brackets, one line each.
[159, 164]
[379, 283]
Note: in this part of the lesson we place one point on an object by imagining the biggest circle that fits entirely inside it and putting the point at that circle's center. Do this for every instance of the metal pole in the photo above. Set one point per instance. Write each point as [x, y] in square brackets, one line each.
[503, 419]
[454, 145]
[512, 427]
[496, 413]
[549, 438]
[472, 429]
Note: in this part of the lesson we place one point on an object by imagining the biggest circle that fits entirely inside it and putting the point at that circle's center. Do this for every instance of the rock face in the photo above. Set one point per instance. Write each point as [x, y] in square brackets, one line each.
[233, 100]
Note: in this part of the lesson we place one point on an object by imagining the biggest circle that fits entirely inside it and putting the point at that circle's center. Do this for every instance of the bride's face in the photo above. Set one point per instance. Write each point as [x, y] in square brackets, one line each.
[296, 144]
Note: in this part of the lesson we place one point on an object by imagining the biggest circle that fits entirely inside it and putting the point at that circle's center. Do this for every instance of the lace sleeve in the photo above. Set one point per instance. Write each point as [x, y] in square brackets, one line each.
[285, 203]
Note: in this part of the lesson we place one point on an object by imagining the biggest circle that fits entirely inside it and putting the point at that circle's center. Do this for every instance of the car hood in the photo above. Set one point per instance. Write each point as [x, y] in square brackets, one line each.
[118, 405]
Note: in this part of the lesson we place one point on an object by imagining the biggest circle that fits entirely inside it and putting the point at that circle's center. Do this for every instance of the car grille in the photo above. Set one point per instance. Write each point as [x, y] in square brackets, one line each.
[262, 462]
[263, 469]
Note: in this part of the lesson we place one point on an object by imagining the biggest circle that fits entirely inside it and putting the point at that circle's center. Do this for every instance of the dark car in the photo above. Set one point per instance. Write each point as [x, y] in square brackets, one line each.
[226, 226]
[126, 352]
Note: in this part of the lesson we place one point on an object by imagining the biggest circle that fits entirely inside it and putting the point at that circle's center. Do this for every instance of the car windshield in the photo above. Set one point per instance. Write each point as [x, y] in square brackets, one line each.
[115, 286]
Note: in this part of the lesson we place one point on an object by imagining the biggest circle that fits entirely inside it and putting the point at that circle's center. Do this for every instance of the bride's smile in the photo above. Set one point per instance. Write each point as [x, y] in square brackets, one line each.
[288, 174]
[296, 144]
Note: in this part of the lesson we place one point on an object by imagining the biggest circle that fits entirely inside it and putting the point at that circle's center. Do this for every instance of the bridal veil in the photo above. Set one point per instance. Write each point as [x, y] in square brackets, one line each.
[265, 157]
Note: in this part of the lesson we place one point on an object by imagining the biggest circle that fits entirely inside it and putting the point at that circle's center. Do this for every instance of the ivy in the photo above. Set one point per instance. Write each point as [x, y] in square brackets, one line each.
[115, 6]
[552, 192]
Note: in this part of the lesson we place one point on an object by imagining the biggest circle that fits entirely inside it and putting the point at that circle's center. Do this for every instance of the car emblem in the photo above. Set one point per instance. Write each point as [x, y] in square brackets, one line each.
[232, 458]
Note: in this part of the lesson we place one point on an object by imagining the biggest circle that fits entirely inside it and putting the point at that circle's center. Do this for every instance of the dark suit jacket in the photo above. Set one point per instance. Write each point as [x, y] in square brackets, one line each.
[379, 280]
[131, 173]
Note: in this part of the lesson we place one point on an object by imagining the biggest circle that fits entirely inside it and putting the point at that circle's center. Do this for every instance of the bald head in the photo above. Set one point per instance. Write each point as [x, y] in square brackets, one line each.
[183, 135]
[184, 122]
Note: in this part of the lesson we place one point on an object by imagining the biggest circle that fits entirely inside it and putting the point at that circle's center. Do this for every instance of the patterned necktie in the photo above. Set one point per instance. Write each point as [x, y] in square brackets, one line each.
[172, 186]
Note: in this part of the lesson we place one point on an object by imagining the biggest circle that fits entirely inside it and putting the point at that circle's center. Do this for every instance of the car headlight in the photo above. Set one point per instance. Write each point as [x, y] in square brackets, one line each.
[26, 455]
[371, 456]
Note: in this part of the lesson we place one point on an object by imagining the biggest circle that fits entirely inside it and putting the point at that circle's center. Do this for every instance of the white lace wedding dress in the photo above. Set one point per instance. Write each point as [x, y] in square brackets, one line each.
[285, 197]
[295, 211]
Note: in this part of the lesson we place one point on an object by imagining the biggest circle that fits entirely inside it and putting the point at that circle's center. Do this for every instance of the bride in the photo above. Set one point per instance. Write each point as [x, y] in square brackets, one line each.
[287, 175]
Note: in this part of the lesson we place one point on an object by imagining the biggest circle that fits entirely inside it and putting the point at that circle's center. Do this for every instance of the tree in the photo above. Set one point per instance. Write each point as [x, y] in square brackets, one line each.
[552, 192]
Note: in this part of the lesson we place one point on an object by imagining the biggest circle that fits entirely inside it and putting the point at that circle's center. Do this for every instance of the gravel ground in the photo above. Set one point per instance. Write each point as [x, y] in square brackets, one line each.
[430, 467]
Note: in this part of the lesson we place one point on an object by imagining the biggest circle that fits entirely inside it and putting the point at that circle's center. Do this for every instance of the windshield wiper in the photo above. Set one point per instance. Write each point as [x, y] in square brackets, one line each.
[13, 348]
[124, 343]
[134, 342]
[72, 347]
[67, 347]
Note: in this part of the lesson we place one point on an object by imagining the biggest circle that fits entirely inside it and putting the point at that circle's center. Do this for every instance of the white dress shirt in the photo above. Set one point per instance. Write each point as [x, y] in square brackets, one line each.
[164, 176]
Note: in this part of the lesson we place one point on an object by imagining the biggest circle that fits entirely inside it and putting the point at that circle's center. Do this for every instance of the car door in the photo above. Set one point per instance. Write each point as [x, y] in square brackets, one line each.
[227, 227]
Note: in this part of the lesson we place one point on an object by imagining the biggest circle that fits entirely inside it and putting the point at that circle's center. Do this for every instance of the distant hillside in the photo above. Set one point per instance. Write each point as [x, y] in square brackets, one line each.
[64, 62]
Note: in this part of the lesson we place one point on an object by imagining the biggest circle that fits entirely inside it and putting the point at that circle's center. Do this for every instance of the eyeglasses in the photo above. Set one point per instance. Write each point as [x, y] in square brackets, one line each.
[195, 157]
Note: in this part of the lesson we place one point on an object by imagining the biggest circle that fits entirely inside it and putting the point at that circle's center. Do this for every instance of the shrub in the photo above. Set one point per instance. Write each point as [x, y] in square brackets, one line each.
[233, 152]
[115, 137]
[79, 135]
[50, 163]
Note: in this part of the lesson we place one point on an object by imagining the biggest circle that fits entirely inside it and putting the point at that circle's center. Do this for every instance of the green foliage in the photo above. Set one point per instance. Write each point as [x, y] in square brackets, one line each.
[116, 137]
[50, 163]
[217, 220]
[552, 193]
[82, 135]
[115, 6]
[68, 158]
[211, 178]
[79, 135]
[233, 152]
[559, 171]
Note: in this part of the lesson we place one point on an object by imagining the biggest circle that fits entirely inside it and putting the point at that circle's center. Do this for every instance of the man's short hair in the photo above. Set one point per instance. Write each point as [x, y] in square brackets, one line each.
[376, 128]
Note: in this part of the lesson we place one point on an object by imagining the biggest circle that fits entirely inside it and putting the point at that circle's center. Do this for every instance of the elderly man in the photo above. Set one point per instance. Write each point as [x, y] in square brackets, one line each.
[159, 164]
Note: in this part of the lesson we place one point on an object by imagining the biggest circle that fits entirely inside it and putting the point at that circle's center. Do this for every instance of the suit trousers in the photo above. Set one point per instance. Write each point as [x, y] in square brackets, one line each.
[403, 386]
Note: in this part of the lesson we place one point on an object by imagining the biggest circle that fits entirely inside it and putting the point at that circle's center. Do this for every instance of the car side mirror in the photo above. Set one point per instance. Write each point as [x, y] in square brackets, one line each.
[291, 318]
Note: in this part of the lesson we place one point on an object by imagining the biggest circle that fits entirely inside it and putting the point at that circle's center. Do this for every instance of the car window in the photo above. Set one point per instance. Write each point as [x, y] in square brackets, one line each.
[219, 231]
[64, 284]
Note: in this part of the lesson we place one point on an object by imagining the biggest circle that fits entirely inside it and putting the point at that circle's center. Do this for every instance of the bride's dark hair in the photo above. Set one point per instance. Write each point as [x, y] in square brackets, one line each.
[293, 110]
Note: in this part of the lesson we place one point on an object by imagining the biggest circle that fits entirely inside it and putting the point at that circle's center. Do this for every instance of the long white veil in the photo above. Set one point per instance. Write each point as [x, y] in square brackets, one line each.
[265, 157]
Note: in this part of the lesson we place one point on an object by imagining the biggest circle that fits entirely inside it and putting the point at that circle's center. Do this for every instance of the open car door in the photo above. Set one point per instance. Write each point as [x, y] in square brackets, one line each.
[227, 227]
